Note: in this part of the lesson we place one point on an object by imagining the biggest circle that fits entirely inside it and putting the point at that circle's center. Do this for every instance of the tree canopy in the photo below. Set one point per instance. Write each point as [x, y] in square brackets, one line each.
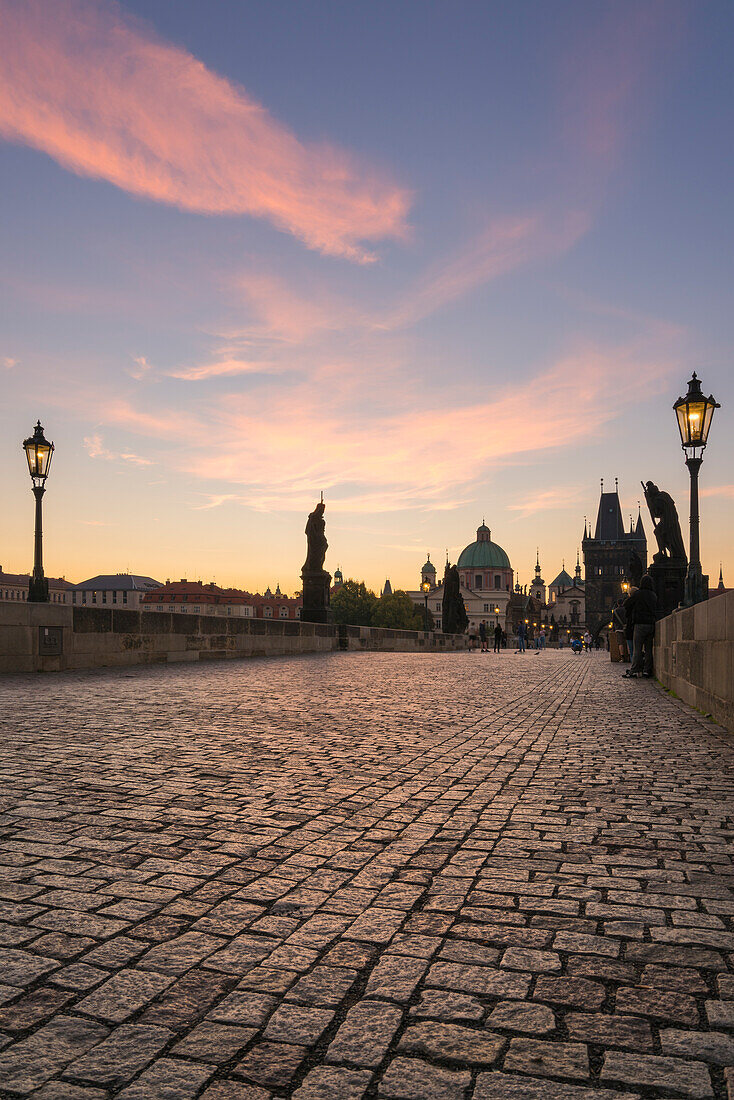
[397, 611]
[354, 604]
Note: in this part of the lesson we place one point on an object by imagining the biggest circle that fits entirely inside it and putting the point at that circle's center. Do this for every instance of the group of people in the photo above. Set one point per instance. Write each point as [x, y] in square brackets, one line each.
[634, 624]
[500, 638]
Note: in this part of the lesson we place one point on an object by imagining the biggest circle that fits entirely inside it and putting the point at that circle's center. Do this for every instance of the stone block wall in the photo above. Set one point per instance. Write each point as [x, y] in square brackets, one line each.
[53, 638]
[694, 656]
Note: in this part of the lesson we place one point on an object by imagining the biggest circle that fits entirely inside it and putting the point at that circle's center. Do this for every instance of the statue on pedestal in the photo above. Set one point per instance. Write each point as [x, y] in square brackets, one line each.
[454, 619]
[316, 580]
[666, 524]
[669, 564]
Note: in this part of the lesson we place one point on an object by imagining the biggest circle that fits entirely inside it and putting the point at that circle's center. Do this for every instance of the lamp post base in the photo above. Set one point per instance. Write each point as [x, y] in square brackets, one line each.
[38, 590]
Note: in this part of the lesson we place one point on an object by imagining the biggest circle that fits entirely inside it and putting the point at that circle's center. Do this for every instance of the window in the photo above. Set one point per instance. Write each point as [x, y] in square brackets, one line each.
[196, 610]
[124, 596]
[94, 597]
[104, 597]
[486, 607]
[284, 612]
[497, 581]
[438, 607]
[478, 580]
[84, 597]
[114, 597]
[267, 612]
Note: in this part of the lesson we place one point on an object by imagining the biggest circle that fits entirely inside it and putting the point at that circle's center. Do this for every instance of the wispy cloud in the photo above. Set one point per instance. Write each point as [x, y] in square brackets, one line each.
[552, 500]
[95, 448]
[219, 367]
[273, 449]
[726, 491]
[215, 500]
[108, 99]
[9, 362]
[141, 369]
[505, 245]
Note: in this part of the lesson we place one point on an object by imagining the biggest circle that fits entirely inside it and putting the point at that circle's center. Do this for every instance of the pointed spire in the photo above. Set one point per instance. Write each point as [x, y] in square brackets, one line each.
[585, 530]
[721, 587]
[616, 485]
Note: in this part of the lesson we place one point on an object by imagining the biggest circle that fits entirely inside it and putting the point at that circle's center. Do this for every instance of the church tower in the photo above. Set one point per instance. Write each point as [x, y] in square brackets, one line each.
[537, 588]
[607, 557]
[428, 572]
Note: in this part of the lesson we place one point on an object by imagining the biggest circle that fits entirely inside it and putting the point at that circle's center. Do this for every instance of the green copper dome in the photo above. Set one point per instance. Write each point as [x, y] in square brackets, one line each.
[483, 554]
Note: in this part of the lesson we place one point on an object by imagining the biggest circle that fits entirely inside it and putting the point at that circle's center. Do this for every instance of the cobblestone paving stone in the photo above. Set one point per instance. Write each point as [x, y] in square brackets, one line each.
[414, 877]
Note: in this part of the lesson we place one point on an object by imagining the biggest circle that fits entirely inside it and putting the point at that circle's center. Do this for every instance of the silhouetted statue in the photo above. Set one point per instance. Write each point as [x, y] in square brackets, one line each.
[454, 619]
[635, 569]
[316, 536]
[316, 581]
[666, 524]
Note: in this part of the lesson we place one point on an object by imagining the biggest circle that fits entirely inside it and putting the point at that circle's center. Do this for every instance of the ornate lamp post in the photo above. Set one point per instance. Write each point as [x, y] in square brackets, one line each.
[39, 452]
[425, 589]
[695, 413]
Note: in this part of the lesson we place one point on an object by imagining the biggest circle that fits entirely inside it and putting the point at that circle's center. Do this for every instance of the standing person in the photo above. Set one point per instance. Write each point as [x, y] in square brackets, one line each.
[641, 608]
[541, 638]
[497, 638]
[587, 641]
[619, 620]
[521, 637]
[483, 636]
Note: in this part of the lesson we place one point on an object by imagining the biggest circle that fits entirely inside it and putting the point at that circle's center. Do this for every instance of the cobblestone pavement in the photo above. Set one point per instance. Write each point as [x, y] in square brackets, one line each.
[364, 875]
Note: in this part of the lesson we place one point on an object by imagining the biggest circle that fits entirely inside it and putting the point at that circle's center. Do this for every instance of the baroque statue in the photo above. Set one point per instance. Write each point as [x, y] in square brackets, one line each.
[316, 538]
[454, 619]
[666, 524]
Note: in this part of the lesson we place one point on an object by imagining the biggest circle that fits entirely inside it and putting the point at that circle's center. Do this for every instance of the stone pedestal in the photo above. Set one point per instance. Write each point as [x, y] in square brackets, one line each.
[669, 580]
[316, 589]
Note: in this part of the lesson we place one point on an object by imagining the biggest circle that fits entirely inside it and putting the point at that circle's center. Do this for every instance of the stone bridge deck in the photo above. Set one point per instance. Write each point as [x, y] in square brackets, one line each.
[364, 875]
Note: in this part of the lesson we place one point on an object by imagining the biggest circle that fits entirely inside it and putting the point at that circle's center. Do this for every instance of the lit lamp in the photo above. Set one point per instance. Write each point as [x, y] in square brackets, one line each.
[695, 413]
[625, 587]
[39, 452]
[425, 589]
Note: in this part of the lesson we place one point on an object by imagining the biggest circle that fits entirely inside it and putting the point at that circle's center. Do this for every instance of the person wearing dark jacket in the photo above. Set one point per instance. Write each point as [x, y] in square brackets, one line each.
[497, 638]
[641, 610]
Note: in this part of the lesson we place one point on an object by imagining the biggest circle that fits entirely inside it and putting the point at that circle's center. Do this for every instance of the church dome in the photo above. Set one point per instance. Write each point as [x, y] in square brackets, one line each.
[483, 554]
[562, 580]
[429, 567]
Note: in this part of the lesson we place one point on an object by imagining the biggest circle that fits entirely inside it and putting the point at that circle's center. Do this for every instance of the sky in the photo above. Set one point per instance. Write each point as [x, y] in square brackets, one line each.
[444, 261]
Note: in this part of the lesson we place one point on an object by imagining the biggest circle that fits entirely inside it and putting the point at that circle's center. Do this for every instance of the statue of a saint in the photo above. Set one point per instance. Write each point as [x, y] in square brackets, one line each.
[454, 619]
[316, 536]
[666, 524]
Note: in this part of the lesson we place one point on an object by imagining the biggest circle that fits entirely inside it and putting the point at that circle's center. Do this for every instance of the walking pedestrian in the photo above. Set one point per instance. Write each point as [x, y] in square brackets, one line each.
[483, 636]
[521, 637]
[587, 642]
[641, 609]
[541, 638]
[619, 620]
[497, 638]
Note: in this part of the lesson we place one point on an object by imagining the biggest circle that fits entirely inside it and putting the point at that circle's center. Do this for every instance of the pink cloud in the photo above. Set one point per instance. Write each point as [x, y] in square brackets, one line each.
[227, 366]
[726, 491]
[107, 99]
[95, 448]
[505, 245]
[275, 448]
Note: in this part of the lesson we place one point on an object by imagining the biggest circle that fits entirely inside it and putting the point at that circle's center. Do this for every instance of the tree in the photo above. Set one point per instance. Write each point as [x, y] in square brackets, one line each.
[397, 611]
[354, 604]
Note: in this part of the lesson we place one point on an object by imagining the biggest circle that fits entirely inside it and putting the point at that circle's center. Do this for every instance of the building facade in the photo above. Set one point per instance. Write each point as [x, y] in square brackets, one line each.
[14, 586]
[112, 590]
[607, 556]
[194, 598]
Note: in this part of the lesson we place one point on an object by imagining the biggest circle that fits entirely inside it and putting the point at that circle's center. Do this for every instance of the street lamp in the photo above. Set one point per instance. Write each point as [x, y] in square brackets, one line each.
[39, 452]
[695, 413]
[425, 589]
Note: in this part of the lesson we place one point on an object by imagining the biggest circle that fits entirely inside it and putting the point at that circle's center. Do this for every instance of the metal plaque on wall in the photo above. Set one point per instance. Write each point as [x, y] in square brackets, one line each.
[50, 641]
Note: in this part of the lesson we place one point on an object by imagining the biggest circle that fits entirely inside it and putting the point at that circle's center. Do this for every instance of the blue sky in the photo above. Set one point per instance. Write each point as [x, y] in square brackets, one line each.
[440, 260]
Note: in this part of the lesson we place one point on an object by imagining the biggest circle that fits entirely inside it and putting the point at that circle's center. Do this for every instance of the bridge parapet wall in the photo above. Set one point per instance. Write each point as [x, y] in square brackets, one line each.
[694, 656]
[53, 638]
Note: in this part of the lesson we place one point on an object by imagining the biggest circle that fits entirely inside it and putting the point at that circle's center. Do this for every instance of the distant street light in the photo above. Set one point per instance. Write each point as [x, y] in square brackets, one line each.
[39, 452]
[695, 413]
[425, 589]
